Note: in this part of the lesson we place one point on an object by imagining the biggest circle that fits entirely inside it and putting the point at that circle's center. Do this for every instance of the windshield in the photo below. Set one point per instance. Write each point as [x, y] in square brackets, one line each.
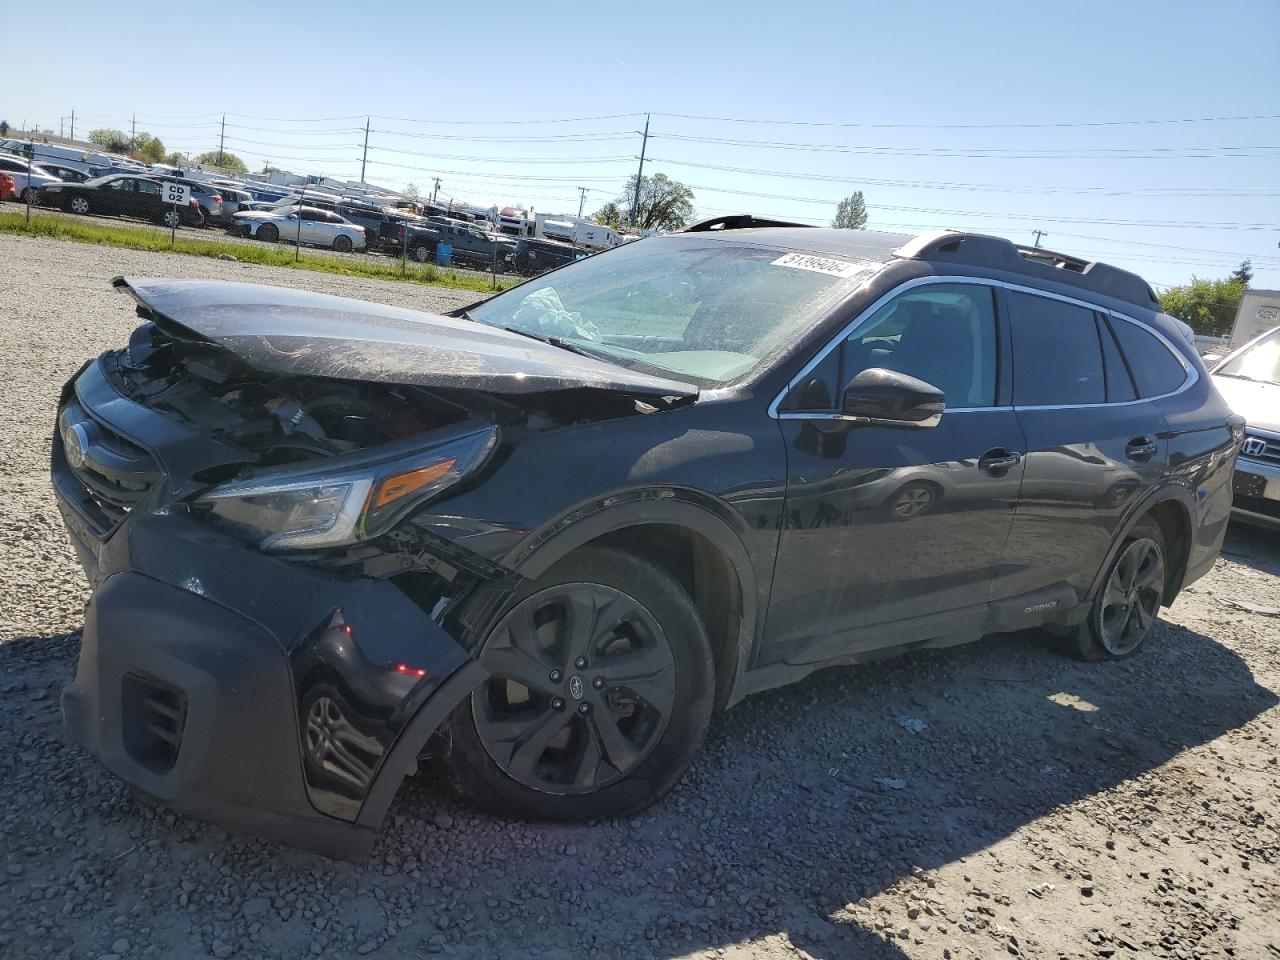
[1260, 362]
[707, 309]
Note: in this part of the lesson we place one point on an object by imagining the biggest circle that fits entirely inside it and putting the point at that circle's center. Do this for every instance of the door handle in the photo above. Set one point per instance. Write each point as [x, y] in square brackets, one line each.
[1141, 449]
[999, 461]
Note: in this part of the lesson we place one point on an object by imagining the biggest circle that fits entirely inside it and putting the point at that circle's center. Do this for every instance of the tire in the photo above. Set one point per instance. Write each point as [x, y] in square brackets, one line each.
[643, 689]
[342, 244]
[79, 205]
[912, 500]
[171, 219]
[422, 253]
[1127, 608]
[268, 233]
[31, 195]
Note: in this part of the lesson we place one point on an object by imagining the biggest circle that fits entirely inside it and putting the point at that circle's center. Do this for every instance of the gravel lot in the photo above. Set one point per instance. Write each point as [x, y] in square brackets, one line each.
[1040, 807]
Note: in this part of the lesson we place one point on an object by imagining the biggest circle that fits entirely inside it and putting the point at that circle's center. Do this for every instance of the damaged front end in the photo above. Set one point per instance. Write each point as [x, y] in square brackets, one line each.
[269, 642]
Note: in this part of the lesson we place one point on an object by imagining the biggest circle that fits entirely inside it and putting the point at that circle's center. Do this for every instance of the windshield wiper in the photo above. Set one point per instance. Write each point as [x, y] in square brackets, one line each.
[564, 345]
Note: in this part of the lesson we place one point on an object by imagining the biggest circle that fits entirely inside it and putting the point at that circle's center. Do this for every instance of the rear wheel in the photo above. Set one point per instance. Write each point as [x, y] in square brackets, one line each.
[342, 243]
[1127, 608]
[599, 693]
[421, 253]
[268, 233]
[31, 195]
[171, 219]
[79, 205]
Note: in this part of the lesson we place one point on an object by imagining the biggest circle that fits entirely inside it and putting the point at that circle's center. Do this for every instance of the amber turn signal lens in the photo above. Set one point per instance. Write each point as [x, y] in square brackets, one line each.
[403, 484]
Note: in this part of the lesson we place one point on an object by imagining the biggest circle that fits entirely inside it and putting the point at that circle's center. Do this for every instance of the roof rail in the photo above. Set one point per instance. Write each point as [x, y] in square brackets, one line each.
[997, 253]
[738, 221]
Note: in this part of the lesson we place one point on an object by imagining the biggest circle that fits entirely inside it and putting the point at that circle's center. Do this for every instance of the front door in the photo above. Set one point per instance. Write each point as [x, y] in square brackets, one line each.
[894, 534]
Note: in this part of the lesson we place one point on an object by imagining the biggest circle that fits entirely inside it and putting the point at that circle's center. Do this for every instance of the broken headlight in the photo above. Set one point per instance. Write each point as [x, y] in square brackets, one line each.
[336, 504]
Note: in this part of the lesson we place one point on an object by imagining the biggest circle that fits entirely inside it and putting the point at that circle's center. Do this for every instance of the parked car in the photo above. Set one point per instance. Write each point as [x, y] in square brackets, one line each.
[377, 222]
[309, 225]
[65, 174]
[120, 195]
[530, 257]
[207, 196]
[233, 201]
[1249, 379]
[28, 177]
[560, 521]
[470, 245]
[8, 190]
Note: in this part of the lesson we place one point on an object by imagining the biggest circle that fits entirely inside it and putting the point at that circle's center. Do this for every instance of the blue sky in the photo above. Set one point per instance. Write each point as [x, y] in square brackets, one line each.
[1002, 117]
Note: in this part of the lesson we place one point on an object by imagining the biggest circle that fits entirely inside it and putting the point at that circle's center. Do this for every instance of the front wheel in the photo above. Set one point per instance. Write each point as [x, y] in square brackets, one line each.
[171, 219]
[32, 196]
[79, 205]
[422, 253]
[600, 690]
[268, 233]
[1126, 610]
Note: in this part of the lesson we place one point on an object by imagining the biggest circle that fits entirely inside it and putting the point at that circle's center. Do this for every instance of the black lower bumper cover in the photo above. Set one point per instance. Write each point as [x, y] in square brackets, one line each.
[218, 682]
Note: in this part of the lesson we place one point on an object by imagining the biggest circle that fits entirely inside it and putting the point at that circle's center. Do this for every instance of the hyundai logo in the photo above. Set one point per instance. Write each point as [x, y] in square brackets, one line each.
[1253, 447]
[75, 440]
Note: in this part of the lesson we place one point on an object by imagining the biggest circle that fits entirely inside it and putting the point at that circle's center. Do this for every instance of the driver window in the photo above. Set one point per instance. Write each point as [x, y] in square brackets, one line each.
[943, 334]
[122, 185]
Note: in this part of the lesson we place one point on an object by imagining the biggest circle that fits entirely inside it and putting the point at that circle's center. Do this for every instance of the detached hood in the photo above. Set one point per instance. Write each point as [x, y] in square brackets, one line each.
[277, 330]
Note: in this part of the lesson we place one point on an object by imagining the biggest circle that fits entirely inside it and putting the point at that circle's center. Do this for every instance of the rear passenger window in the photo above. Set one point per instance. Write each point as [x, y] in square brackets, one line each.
[1119, 385]
[1156, 370]
[1057, 359]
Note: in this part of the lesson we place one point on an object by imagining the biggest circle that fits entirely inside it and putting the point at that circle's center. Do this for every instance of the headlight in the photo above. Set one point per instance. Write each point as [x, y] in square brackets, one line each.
[332, 505]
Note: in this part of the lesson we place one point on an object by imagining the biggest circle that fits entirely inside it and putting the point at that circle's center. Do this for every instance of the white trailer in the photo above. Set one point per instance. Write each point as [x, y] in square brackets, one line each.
[1259, 311]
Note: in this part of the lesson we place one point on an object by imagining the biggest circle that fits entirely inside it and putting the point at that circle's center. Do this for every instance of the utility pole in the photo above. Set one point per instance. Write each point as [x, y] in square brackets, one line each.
[581, 200]
[1039, 234]
[133, 132]
[435, 191]
[62, 121]
[222, 136]
[73, 123]
[635, 199]
[365, 156]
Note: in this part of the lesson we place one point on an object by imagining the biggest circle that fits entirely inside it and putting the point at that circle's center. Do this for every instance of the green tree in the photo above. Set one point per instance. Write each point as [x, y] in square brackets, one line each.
[1243, 273]
[229, 161]
[664, 204]
[176, 159]
[851, 214]
[610, 215]
[1207, 306]
[148, 149]
[113, 141]
[268, 168]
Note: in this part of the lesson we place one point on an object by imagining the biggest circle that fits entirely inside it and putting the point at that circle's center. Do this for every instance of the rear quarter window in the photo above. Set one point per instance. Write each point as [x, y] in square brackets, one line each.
[1057, 358]
[1155, 369]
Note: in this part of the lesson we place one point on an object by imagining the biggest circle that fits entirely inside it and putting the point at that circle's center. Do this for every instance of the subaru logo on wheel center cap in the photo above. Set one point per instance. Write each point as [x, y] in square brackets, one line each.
[576, 687]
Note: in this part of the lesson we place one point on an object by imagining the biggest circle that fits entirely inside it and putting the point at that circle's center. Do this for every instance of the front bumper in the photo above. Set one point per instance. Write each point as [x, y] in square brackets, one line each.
[1255, 491]
[266, 695]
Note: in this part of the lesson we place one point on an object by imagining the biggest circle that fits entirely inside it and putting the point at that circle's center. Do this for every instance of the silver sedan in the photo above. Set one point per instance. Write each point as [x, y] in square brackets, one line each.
[309, 225]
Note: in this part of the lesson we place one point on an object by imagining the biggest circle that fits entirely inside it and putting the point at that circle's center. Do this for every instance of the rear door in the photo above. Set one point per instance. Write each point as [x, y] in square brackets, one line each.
[121, 197]
[150, 198]
[894, 534]
[1094, 447]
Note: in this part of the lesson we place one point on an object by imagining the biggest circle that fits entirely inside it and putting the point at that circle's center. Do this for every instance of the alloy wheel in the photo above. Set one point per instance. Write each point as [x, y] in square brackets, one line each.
[79, 205]
[582, 684]
[912, 501]
[1131, 599]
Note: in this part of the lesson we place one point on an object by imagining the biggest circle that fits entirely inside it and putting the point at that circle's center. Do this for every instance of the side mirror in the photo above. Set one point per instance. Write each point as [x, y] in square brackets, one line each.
[892, 399]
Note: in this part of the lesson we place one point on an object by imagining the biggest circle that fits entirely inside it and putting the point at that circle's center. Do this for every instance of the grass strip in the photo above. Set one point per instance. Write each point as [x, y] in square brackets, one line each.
[132, 237]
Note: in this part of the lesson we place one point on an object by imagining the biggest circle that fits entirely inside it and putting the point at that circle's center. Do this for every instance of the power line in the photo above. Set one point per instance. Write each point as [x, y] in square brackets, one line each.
[975, 126]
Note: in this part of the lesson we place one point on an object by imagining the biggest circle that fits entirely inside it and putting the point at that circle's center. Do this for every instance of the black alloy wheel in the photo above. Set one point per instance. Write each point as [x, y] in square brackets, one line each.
[1127, 607]
[268, 233]
[599, 690]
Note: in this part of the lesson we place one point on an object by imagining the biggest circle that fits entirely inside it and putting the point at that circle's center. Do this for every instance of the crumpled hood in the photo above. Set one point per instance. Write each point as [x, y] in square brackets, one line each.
[278, 330]
[1258, 403]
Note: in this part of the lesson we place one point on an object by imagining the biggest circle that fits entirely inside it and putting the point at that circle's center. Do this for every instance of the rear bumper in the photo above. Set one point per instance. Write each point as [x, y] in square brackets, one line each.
[1256, 493]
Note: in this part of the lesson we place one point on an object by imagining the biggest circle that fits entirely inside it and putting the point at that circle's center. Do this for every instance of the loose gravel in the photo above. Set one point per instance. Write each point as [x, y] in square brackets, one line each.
[990, 800]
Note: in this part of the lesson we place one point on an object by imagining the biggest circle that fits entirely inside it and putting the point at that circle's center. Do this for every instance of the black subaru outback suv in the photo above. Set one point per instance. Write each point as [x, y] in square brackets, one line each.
[567, 525]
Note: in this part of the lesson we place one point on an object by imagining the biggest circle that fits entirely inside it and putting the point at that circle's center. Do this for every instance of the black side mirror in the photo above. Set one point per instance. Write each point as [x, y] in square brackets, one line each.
[892, 399]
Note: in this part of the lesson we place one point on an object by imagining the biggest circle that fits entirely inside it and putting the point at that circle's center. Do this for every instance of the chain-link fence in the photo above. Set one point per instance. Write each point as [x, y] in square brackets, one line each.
[64, 190]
